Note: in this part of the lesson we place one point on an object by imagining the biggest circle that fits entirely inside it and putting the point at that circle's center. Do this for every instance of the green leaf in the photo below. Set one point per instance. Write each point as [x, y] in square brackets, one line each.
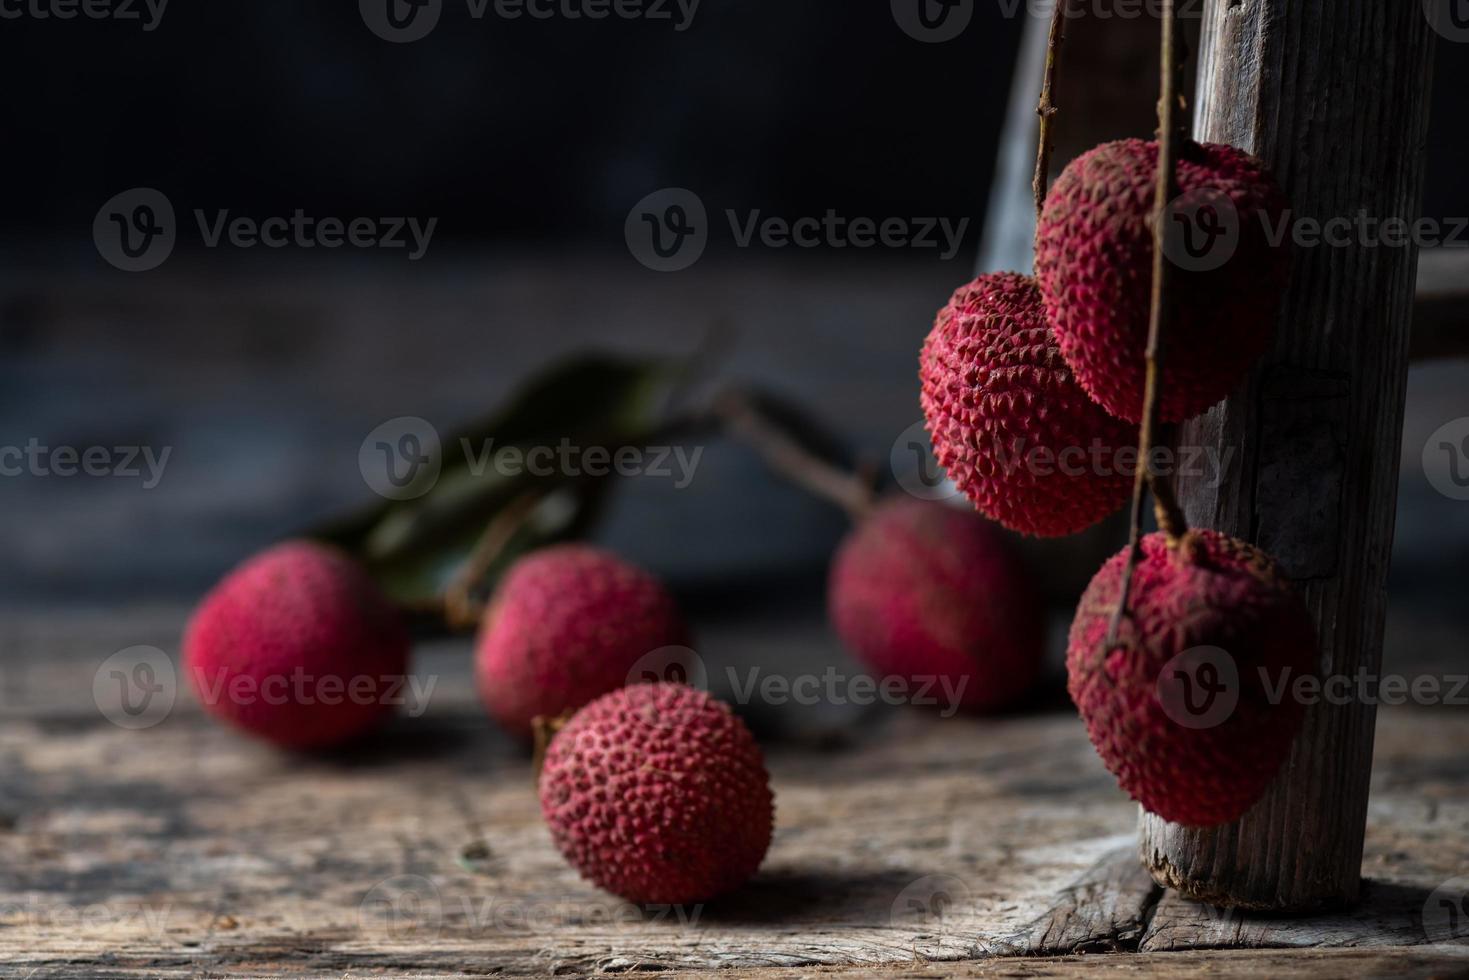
[414, 547]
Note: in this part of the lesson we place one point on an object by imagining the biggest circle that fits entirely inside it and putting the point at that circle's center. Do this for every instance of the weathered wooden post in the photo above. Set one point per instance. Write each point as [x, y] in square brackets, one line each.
[1333, 95]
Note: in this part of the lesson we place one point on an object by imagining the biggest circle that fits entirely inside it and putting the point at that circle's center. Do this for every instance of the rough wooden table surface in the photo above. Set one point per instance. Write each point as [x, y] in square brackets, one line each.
[915, 847]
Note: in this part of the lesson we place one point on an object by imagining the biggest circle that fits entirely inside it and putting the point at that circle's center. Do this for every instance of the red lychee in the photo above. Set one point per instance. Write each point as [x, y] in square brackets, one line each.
[565, 625]
[659, 794]
[298, 646]
[1191, 710]
[935, 595]
[1009, 423]
[1094, 262]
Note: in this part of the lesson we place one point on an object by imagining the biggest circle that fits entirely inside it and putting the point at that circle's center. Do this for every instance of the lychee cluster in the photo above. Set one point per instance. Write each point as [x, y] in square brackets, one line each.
[1027, 383]
[659, 794]
[1060, 362]
[923, 591]
[1008, 422]
[1180, 707]
[656, 792]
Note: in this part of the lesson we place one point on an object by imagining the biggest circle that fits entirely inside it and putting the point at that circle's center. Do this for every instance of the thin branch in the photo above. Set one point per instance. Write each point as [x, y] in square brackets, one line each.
[1170, 515]
[853, 492]
[461, 609]
[1046, 108]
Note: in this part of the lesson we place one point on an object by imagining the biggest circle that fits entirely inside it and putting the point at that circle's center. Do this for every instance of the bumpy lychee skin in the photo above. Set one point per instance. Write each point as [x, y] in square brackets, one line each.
[566, 625]
[297, 646]
[935, 595]
[1186, 749]
[1094, 261]
[1009, 423]
[659, 794]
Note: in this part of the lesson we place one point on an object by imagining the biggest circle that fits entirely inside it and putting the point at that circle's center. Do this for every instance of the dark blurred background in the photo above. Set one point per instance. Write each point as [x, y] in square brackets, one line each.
[529, 141]
[522, 132]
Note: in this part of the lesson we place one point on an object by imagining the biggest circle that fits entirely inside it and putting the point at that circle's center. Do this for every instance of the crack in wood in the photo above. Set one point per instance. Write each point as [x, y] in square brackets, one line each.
[1106, 910]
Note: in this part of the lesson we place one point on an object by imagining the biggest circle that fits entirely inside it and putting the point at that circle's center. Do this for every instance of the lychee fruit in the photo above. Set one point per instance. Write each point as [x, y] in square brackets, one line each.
[297, 646]
[659, 794]
[567, 624]
[1094, 262]
[936, 596]
[1191, 708]
[1009, 423]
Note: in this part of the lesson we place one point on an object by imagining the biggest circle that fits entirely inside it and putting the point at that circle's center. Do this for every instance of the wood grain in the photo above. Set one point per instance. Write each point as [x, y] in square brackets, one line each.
[1332, 94]
[186, 850]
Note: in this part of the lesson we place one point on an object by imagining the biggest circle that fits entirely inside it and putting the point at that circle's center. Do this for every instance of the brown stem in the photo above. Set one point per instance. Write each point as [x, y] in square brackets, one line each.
[853, 492]
[1170, 516]
[543, 729]
[461, 609]
[1046, 109]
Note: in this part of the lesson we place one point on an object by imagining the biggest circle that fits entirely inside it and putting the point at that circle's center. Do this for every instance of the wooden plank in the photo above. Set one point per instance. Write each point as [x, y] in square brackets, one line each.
[1284, 80]
[1104, 911]
[183, 849]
